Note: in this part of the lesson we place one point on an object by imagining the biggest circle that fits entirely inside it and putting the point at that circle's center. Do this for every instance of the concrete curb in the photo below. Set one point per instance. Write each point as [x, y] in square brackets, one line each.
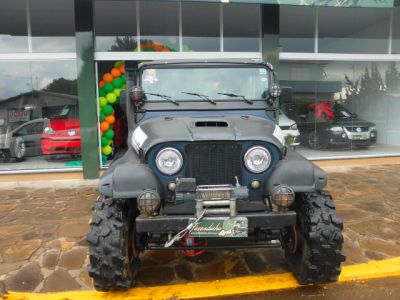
[227, 287]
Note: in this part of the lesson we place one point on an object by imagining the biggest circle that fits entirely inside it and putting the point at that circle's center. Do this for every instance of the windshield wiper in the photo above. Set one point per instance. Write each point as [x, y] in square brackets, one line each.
[204, 97]
[238, 96]
[166, 97]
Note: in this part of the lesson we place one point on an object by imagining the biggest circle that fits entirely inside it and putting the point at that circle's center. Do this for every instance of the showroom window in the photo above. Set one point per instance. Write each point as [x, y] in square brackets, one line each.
[237, 36]
[159, 26]
[115, 25]
[396, 31]
[52, 25]
[343, 108]
[201, 29]
[39, 122]
[13, 32]
[353, 30]
[297, 28]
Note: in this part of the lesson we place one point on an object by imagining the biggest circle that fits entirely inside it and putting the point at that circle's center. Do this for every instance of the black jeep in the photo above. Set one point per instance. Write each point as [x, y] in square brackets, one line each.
[207, 169]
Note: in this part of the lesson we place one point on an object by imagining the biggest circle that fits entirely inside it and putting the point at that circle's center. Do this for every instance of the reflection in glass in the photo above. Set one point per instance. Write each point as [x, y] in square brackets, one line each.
[53, 25]
[39, 122]
[344, 108]
[115, 25]
[341, 32]
[297, 28]
[396, 31]
[13, 27]
[236, 36]
[159, 26]
[201, 26]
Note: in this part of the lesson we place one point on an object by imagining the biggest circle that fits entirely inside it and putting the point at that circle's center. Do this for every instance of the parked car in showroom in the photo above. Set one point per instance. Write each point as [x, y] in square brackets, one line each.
[328, 124]
[206, 169]
[289, 129]
[62, 136]
[23, 141]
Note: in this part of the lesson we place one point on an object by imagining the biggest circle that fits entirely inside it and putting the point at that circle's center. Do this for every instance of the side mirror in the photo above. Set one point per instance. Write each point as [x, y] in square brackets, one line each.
[275, 91]
[136, 94]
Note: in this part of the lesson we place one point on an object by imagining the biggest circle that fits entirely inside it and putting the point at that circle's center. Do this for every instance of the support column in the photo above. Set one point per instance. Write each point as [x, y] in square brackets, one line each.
[87, 87]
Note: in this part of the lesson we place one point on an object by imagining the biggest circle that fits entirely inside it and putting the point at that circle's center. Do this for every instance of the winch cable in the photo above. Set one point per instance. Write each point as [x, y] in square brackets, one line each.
[183, 232]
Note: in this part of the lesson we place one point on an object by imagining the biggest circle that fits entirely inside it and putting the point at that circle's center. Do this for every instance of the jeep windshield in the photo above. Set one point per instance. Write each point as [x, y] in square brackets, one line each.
[207, 84]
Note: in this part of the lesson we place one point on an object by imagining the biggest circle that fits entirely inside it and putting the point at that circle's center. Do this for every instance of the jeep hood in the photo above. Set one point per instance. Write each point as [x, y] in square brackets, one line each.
[190, 129]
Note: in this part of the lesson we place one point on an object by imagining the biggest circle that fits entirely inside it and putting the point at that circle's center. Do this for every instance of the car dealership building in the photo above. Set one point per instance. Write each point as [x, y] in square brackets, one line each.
[338, 62]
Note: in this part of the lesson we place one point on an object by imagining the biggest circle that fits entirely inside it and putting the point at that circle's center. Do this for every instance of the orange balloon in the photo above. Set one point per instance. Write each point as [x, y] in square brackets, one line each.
[158, 47]
[122, 69]
[104, 126]
[165, 49]
[108, 77]
[110, 119]
[101, 83]
[115, 72]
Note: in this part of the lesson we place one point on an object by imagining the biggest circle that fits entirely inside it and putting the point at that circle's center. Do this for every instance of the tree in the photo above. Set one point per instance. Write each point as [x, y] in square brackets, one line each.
[63, 86]
[125, 43]
[392, 78]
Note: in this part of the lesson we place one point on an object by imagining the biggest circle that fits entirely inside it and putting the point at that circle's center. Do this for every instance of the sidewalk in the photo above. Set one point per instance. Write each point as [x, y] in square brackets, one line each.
[43, 227]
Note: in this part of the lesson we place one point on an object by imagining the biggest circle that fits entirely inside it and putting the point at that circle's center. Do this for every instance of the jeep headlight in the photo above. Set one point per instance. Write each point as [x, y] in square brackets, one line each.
[169, 161]
[257, 159]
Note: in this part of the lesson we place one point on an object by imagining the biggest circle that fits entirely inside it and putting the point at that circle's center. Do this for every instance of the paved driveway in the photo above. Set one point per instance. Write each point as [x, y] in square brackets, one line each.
[43, 227]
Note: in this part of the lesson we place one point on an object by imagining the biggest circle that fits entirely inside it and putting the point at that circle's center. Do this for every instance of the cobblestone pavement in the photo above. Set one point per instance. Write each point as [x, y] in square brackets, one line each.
[43, 228]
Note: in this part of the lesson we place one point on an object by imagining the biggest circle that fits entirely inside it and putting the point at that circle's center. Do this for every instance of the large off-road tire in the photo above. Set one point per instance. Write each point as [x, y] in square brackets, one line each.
[113, 256]
[316, 253]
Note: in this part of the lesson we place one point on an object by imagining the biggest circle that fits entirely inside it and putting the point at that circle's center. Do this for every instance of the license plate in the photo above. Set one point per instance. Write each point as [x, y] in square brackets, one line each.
[359, 137]
[220, 227]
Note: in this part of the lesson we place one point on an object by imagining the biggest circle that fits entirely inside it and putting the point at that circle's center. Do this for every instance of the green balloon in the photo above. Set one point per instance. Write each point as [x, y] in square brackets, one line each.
[104, 141]
[102, 101]
[107, 110]
[118, 64]
[111, 98]
[108, 88]
[117, 92]
[109, 134]
[103, 159]
[102, 93]
[118, 83]
[123, 78]
[101, 117]
[149, 49]
[107, 150]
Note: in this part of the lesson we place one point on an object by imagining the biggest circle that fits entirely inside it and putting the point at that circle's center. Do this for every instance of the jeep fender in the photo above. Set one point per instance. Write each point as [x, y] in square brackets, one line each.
[128, 178]
[298, 173]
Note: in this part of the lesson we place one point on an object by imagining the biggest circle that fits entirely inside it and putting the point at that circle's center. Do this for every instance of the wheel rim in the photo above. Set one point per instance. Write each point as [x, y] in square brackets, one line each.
[315, 141]
[2, 156]
[19, 148]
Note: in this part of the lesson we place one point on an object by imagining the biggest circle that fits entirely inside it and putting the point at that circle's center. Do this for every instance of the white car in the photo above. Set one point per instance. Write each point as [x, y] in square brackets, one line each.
[289, 128]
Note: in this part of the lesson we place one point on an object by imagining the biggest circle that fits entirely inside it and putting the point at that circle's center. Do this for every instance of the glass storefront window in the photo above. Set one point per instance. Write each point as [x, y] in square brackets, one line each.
[396, 31]
[115, 26]
[297, 28]
[39, 122]
[159, 26]
[239, 37]
[201, 27]
[353, 30]
[343, 108]
[52, 25]
[13, 26]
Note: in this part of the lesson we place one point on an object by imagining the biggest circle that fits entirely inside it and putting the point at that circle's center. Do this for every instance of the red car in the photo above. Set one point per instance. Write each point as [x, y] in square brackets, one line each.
[62, 134]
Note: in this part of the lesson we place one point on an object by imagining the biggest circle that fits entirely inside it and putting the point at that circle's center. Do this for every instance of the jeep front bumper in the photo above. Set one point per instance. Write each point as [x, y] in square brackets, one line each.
[172, 224]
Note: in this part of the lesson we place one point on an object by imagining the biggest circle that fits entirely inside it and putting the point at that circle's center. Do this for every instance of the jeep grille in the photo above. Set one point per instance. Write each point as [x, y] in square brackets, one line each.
[214, 163]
